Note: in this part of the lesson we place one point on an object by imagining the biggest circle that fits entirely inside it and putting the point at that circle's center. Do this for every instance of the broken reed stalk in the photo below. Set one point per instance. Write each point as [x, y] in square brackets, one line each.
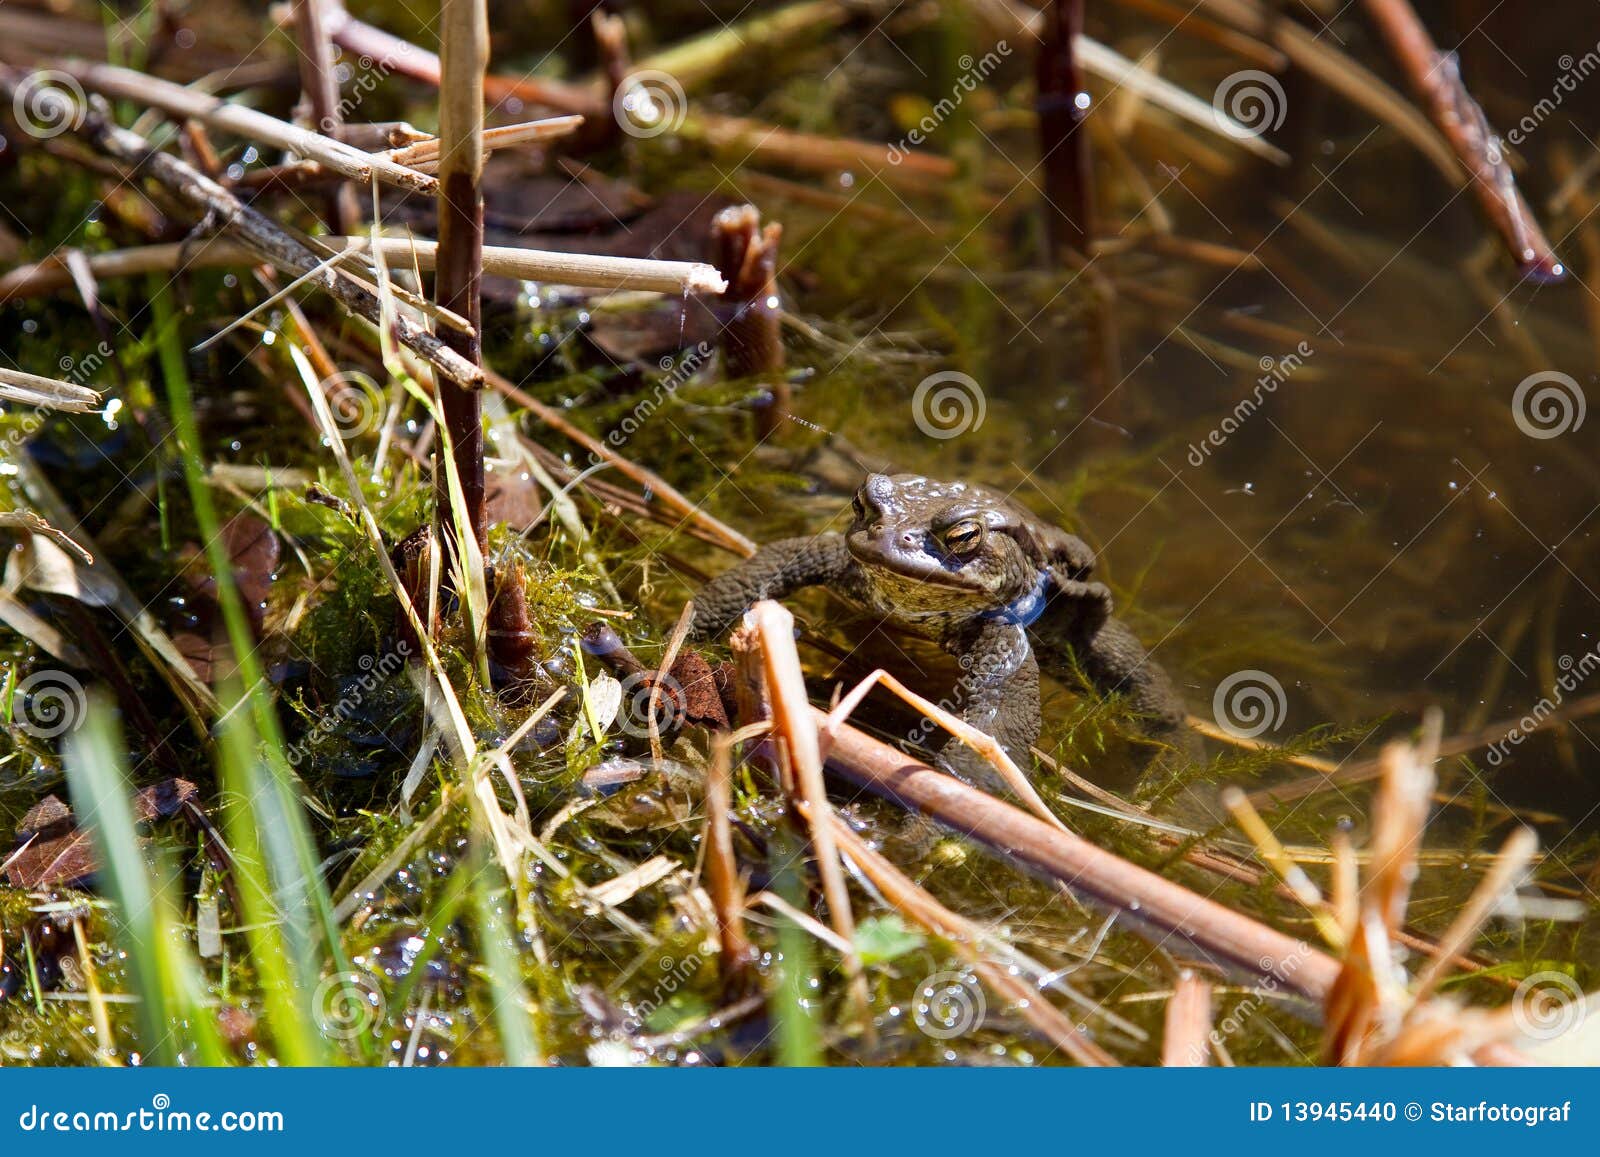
[736, 955]
[1436, 78]
[189, 104]
[1185, 1043]
[580, 269]
[424, 155]
[773, 640]
[464, 56]
[1170, 909]
[261, 235]
[46, 393]
[752, 339]
[320, 84]
[1063, 143]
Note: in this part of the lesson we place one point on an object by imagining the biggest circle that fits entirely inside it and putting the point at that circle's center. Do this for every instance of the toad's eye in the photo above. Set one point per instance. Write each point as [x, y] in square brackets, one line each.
[858, 508]
[963, 537]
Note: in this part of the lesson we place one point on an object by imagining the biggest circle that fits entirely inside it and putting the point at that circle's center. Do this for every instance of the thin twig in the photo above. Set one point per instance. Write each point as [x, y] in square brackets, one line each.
[269, 241]
[722, 872]
[47, 393]
[178, 101]
[1437, 80]
[321, 86]
[424, 155]
[590, 272]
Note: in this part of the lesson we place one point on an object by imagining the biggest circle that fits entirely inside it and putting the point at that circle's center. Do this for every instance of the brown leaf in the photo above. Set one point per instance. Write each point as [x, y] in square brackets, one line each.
[162, 800]
[61, 853]
[702, 704]
[61, 860]
[44, 815]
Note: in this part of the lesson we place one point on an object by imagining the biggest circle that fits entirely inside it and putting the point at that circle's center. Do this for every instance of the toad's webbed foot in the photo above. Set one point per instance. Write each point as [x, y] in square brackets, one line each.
[777, 569]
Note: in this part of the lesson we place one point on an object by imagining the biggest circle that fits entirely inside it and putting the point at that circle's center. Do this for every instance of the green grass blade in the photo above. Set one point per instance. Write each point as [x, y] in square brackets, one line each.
[166, 977]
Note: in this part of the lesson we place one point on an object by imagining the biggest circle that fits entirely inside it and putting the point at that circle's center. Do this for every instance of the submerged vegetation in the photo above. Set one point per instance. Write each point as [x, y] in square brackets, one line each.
[313, 753]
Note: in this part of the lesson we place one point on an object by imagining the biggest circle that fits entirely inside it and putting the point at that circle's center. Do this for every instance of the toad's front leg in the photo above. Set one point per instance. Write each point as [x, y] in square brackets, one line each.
[777, 569]
[998, 693]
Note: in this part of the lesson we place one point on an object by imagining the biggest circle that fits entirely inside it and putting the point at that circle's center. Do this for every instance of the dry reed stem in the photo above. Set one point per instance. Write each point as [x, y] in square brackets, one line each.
[464, 55]
[723, 881]
[590, 272]
[1515, 856]
[680, 632]
[47, 393]
[270, 242]
[320, 84]
[1374, 1015]
[981, 742]
[424, 155]
[1185, 1042]
[792, 723]
[1090, 871]
[1437, 81]
[178, 101]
